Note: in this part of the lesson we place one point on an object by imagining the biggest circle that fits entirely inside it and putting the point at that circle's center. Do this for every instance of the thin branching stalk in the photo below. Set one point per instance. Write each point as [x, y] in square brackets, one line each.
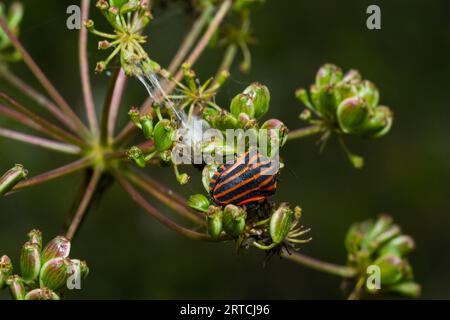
[155, 213]
[164, 195]
[107, 107]
[38, 98]
[338, 270]
[55, 173]
[41, 77]
[227, 61]
[115, 103]
[84, 204]
[304, 132]
[41, 142]
[19, 117]
[84, 71]
[45, 125]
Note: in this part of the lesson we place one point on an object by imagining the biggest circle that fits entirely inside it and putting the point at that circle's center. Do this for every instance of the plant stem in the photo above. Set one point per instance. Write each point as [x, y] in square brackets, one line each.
[37, 97]
[164, 195]
[357, 291]
[84, 204]
[45, 125]
[227, 60]
[115, 103]
[338, 270]
[107, 107]
[190, 38]
[45, 143]
[304, 132]
[140, 200]
[55, 173]
[40, 76]
[84, 71]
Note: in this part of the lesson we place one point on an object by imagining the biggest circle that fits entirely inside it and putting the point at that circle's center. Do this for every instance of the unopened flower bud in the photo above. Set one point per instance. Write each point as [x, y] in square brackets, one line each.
[242, 103]
[81, 268]
[327, 75]
[214, 221]
[400, 245]
[324, 100]
[352, 77]
[35, 237]
[135, 154]
[59, 247]
[100, 67]
[6, 269]
[89, 24]
[55, 272]
[369, 92]
[16, 287]
[379, 123]
[352, 113]
[11, 178]
[198, 202]
[224, 120]
[408, 289]
[234, 220]
[103, 45]
[260, 96]
[163, 135]
[30, 262]
[281, 223]
[391, 269]
[41, 294]
[146, 122]
[102, 4]
[134, 117]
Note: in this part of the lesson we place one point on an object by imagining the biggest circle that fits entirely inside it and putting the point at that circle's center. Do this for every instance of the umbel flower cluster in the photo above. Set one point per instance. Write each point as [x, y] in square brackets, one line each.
[241, 147]
[44, 272]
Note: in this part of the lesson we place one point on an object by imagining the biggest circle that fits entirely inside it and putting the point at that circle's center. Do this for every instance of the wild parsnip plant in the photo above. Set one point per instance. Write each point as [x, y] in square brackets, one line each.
[181, 119]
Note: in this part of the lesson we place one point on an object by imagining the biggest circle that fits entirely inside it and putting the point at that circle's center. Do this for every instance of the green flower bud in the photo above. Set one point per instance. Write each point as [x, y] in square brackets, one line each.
[379, 122]
[260, 96]
[6, 269]
[234, 220]
[100, 67]
[328, 74]
[391, 269]
[81, 268]
[382, 224]
[385, 236]
[16, 287]
[369, 92]
[30, 262]
[11, 178]
[207, 173]
[198, 202]
[302, 96]
[400, 246]
[102, 4]
[35, 237]
[163, 135]
[281, 223]
[214, 221]
[41, 294]
[276, 126]
[242, 103]
[325, 101]
[352, 113]
[59, 247]
[135, 154]
[55, 272]
[352, 77]
[409, 289]
[146, 122]
[134, 116]
[224, 120]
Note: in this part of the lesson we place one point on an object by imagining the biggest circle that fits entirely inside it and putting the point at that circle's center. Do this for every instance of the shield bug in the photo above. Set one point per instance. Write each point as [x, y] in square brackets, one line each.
[246, 181]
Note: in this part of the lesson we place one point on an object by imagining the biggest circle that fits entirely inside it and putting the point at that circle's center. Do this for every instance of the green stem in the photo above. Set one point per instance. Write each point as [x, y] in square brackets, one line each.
[227, 60]
[357, 291]
[41, 142]
[304, 132]
[338, 270]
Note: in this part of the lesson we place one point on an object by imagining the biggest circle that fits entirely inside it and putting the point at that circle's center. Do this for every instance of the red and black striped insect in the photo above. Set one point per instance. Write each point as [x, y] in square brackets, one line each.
[246, 181]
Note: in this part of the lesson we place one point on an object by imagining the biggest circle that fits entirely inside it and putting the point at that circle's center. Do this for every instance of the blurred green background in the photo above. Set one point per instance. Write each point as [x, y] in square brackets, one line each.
[407, 173]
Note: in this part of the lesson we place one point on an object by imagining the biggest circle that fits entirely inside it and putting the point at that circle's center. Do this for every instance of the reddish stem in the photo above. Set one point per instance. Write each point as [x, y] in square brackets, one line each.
[115, 103]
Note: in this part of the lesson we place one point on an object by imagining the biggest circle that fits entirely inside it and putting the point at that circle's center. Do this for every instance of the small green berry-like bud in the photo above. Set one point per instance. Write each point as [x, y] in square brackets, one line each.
[30, 262]
[198, 202]
[89, 24]
[328, 74]
[369, 92]
[277, 126]
[81, 268]
[117, 3]
[234, 220]
[35, 237]
[16, 287]
[135, 154]
[223, 120]
[214, 222]
[134, 116]
[59, 247]
[408, 289]
[261, 98]
[242, 103]
[281, 223]
[163, 135]
[100, 67]
[41, 294]
[352, 114]
[146, 122]
[400, 246]
[391, 269]
[352, 77]
[55, 272]
[379, 123]
[183, 178]
[102, 4]
[11, 178]
[302, 95]
[324, 100]
[6, 269]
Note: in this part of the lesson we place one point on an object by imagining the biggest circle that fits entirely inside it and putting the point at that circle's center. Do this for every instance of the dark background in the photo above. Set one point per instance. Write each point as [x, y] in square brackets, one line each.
[406, 173]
